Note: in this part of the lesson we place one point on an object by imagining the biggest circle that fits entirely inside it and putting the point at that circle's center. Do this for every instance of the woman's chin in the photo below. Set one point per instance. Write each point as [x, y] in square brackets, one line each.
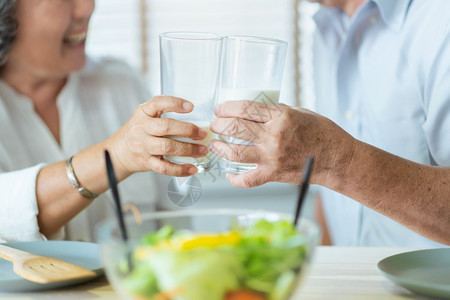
[74, 58]
[77, 64]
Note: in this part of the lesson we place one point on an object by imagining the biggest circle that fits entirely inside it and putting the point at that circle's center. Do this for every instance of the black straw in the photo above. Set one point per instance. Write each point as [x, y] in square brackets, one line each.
[303, 187]
[113, 185]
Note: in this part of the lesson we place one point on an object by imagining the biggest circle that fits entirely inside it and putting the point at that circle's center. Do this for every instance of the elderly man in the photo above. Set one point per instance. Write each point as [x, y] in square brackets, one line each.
[382, 137]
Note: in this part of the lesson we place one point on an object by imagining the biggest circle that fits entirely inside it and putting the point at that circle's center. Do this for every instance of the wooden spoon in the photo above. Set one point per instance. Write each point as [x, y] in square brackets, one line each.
[41, 269]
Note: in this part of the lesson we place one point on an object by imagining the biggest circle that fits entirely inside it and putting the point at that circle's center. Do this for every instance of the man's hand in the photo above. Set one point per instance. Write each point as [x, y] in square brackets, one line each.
[283, 138]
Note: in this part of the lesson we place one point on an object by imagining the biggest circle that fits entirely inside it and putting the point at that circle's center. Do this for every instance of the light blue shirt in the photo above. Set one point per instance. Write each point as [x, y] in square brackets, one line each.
[384, 76]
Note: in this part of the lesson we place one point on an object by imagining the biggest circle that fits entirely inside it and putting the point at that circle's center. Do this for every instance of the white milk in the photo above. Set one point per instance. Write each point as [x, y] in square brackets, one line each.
[265, 96]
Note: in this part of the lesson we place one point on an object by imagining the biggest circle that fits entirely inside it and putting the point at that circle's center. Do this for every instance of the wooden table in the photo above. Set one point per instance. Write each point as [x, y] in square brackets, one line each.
[336, 273]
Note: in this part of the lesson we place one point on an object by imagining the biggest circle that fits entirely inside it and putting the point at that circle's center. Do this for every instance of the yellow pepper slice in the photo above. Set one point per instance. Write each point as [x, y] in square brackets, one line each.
[231, 238]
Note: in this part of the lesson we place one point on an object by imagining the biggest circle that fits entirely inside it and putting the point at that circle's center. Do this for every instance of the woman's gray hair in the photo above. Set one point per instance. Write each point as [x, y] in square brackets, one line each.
[8, 27]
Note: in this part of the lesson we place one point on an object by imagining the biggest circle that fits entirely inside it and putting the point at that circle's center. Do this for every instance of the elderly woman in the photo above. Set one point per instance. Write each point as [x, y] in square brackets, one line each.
[59, 111]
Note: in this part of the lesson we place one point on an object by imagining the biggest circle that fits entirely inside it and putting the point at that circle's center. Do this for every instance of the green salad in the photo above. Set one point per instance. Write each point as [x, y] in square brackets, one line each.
[260, 261]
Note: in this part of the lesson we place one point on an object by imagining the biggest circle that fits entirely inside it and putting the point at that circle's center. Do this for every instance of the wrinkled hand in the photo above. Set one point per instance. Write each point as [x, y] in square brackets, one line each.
[283, 138]
[141, 143]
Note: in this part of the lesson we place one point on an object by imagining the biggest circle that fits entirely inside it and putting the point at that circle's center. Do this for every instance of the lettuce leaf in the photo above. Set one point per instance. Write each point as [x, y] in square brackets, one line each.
[197, 274]
[162, 234]
[268, 250]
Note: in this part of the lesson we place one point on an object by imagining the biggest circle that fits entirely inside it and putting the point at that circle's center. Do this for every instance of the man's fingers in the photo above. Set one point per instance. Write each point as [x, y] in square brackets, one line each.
[238, 128]
[161, 104]
[234, 152]
[248, 179]
[162, 166]
[248, 110]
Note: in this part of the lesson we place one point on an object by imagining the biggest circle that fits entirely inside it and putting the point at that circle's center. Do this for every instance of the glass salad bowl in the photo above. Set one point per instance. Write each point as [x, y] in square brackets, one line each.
[220, 254]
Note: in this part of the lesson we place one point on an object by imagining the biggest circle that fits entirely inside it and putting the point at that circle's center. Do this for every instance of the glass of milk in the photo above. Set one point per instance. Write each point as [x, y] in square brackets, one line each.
[252, 69]
[190, 69]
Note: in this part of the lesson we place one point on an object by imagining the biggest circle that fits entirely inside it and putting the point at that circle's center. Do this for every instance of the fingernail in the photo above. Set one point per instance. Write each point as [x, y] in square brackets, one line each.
[202, 133]
[192, 170]
[217, 109]
[187, 106]
[203, 150]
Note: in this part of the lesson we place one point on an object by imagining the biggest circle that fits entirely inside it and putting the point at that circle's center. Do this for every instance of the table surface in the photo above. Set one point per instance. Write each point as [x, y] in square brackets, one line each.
[336, 273]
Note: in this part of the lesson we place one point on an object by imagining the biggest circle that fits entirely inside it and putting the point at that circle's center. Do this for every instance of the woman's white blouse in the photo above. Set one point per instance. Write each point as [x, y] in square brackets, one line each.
[94, 104]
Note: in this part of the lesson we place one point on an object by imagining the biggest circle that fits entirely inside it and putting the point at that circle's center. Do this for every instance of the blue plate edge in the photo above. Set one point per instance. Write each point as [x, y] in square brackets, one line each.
[441, 290]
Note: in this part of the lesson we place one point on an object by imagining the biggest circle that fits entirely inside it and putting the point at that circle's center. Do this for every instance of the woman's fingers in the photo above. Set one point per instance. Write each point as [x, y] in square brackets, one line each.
[171, 127]
[169, 146]
[159, 165]
[160, 104]
[147, 137]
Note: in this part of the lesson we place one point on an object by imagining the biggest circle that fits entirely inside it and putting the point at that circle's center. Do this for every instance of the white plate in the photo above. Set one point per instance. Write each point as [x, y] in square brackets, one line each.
[424, 272]
[85, 255]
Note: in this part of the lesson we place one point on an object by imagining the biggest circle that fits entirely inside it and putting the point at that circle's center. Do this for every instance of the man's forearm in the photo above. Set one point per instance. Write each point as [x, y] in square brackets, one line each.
[415, 195]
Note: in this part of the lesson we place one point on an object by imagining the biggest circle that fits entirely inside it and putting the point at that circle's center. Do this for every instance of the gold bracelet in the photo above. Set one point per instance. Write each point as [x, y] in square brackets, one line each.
[74, 181]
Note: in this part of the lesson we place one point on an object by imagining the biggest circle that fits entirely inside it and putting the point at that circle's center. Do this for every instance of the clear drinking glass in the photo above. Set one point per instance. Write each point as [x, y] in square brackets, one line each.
[252, 69]
[190, 69]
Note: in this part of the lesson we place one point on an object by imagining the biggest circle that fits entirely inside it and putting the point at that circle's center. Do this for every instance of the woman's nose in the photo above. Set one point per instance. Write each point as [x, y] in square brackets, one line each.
[83, 9]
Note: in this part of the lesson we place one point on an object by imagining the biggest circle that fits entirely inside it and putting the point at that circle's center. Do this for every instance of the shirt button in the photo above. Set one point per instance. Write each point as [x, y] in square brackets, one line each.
[349, 115]
[373, 20]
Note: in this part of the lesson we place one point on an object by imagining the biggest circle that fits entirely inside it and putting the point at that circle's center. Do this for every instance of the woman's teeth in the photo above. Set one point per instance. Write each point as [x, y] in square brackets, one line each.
[75, 39]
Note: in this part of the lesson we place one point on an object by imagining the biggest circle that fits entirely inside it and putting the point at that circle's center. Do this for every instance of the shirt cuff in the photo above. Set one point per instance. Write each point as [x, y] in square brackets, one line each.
[19, 210]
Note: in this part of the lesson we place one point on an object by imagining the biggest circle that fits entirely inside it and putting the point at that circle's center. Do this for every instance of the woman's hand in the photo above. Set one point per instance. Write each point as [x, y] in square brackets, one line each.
[283, 138]
[141, 143]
